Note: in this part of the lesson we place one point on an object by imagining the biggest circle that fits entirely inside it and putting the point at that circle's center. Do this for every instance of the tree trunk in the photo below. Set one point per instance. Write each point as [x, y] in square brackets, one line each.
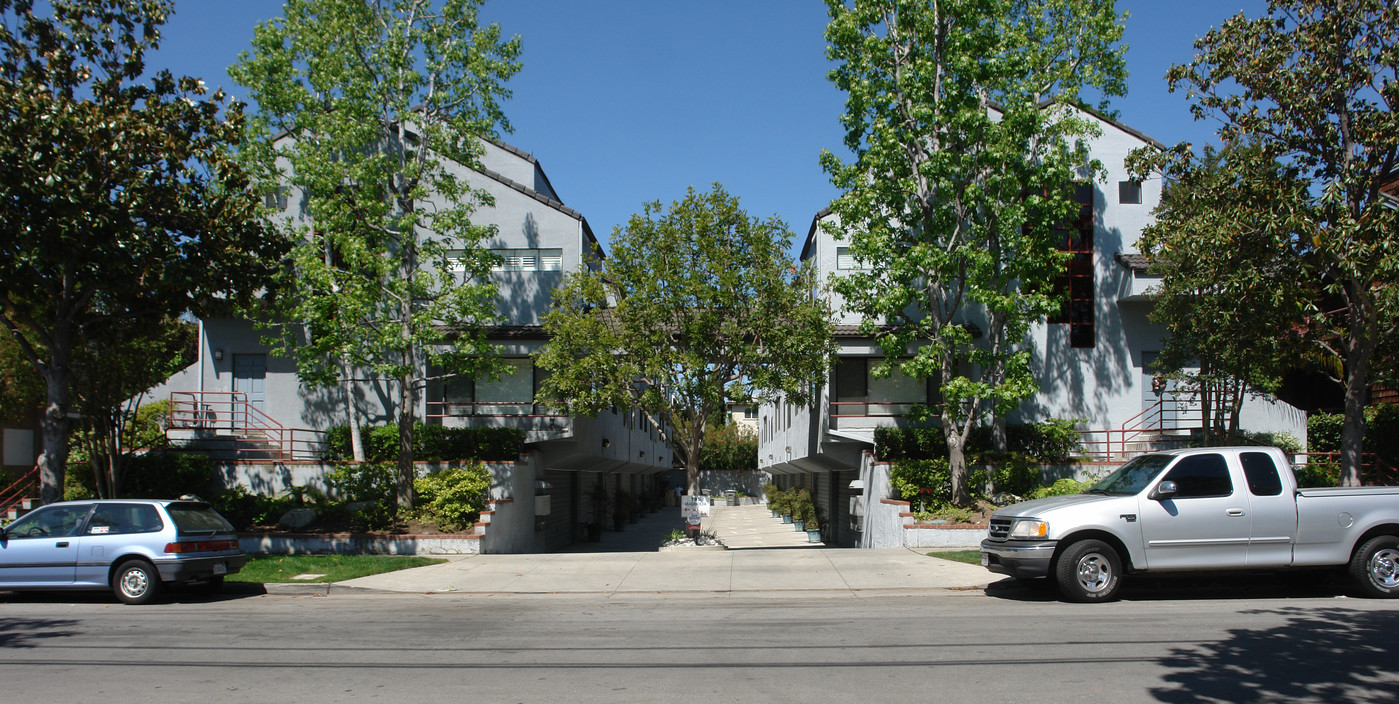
[356, 441]
[55, 424]
[1361, 341]
[957, 466]
[407, 403]
[1353, 427]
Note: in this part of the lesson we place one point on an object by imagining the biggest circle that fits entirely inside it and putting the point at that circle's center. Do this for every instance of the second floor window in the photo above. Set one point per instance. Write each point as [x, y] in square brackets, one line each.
[529, 259]
[846, 260]
[857, 392]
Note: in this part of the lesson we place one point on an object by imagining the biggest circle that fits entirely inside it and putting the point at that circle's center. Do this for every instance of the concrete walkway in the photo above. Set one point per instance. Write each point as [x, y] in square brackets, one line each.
[764, 556]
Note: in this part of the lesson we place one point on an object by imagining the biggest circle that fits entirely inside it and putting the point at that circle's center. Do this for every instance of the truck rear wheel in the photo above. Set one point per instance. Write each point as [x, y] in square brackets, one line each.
[1089, 571]
[1375, 567]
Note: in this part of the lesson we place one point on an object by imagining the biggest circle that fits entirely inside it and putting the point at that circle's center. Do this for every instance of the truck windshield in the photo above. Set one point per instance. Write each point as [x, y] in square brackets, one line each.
[1132, 477]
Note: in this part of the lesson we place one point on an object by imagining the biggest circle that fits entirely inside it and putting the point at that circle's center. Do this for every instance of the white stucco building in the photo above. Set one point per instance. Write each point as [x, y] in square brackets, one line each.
[1092, 362]
[266, 417]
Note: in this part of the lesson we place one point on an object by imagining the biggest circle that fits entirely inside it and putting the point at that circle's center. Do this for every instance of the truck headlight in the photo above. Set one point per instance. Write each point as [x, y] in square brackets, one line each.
[1029, 529]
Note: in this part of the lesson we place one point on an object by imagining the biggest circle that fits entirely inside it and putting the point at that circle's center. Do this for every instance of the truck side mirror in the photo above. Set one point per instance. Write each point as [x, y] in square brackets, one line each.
[1163, 491]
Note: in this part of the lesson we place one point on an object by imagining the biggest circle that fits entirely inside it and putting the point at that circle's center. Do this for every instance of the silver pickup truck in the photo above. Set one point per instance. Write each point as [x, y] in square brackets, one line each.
[1221, 508]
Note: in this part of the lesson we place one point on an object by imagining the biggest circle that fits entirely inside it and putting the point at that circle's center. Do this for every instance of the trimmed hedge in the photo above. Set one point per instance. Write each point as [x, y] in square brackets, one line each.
[1381, 432]
[431, 443]
[1050, 442]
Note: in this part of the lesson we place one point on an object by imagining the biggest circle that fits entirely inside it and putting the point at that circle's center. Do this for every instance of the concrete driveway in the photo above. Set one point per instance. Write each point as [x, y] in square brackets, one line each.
[763, 556]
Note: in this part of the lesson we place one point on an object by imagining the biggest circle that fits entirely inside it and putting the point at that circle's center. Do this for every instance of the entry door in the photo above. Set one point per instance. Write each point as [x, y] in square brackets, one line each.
[250, 377]
[1165, 418]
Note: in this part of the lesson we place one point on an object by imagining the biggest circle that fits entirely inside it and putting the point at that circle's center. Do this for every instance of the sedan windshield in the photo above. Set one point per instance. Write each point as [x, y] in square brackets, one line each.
[1132, 477]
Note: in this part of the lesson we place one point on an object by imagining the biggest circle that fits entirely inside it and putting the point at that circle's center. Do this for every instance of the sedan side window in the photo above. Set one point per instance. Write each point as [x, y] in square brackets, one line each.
[124, 518]
[49, 521]
[1200, 475]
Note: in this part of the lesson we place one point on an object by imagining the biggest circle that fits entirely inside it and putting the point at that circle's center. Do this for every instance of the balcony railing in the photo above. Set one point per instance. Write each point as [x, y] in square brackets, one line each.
[490, 409]
[872, 409]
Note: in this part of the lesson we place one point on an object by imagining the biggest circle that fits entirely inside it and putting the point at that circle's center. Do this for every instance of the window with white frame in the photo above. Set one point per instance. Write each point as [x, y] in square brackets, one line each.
[528, 259]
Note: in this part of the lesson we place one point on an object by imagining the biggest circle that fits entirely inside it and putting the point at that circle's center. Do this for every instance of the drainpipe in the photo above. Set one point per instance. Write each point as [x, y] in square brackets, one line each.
[202, 343]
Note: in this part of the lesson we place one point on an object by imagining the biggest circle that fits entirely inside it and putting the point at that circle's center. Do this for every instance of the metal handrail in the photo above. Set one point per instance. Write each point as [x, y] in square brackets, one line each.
[14, 492]
[207, 410]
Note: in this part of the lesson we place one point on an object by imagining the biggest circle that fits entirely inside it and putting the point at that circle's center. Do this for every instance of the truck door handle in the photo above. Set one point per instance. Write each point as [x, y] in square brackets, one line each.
[1235, 512]
[62, 544]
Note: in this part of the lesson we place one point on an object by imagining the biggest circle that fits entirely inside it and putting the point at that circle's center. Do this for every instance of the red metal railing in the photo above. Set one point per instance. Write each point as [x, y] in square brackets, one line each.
[1167, 414]
[1373, 470]
[230, 412]
[20, 489]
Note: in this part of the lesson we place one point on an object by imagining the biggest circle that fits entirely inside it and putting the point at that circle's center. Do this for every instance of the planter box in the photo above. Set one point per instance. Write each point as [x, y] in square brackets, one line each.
[813, 536]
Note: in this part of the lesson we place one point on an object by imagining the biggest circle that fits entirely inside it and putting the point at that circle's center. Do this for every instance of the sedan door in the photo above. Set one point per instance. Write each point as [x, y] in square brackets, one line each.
[1204, 525]
[39, 549]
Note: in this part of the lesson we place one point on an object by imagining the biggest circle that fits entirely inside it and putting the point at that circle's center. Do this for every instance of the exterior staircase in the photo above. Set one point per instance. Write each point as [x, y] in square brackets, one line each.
[17, 498]
[227, 427]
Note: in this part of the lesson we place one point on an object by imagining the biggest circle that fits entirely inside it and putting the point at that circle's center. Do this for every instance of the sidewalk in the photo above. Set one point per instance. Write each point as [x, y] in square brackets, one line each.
[765, 556]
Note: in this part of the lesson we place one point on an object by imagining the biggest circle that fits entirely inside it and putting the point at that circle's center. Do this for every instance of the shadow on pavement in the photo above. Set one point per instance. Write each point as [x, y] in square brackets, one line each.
[646, 535]
[1266, 585]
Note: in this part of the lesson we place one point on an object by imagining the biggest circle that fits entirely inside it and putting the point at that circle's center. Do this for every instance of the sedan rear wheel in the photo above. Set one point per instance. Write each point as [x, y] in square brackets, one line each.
[136, 582]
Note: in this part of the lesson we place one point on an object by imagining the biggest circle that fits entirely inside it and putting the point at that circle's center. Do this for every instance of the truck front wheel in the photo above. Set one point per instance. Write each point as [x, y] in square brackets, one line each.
[1089, 571]
[1375, 567]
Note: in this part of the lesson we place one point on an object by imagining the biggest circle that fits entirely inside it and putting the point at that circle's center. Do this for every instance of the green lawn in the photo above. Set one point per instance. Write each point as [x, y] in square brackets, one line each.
[971, 557]
[335, 568]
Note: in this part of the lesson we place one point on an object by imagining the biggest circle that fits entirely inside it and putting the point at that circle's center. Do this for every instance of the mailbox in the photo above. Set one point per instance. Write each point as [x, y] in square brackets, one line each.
[541, 498]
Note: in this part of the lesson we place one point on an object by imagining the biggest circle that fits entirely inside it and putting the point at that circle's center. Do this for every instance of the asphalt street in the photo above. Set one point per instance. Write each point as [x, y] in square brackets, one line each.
[1006, 645]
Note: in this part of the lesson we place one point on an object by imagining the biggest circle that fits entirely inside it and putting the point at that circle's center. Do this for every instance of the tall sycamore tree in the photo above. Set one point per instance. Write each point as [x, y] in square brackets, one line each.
[1315, 84]
[960, 116]
[367, 110]
[120, 204]
[698, 306]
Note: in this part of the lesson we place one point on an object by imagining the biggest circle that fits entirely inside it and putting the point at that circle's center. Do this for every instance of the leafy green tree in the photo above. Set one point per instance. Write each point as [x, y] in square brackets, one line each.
[960, 115]
[117, 363]
[366, 112]
[1314, 84]
[21, 388]
[1225, 296]
[119, 201]
[697, 306]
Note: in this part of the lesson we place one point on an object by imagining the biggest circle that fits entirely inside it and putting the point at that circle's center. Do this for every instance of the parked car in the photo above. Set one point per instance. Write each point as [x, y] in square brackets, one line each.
[135, 547]
[1223, 508]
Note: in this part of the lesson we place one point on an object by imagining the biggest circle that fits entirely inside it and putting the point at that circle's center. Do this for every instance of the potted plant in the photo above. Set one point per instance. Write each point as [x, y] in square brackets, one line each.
[770, 492]
[802, 509]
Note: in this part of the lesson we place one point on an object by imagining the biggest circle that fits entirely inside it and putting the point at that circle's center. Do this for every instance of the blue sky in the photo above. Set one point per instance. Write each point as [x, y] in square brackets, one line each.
[630, 101]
